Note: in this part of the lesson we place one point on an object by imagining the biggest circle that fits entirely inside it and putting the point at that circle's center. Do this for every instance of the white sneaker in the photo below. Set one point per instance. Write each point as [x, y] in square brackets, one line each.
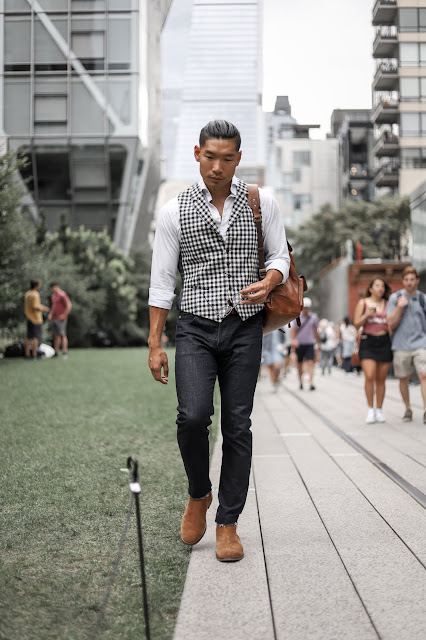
[371, 416]
[379, 416]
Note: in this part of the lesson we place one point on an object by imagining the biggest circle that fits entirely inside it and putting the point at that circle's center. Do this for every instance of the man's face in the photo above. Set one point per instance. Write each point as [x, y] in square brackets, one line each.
[410, 282]
[218, 160]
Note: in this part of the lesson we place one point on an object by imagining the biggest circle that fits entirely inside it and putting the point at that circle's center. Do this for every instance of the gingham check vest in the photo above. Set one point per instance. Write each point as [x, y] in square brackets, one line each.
[214, 269]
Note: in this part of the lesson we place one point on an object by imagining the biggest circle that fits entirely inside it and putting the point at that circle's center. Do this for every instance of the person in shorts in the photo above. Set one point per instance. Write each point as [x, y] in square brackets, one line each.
[304, 339]
[375, 351]
[33, 313]
[61, 307]
[407, 318]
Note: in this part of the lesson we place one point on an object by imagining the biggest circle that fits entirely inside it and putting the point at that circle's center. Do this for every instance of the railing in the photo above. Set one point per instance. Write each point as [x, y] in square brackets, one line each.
[386, 67]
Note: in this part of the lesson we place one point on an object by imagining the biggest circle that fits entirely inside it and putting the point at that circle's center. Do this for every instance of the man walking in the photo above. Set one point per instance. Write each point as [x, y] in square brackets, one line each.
[407, 319]
[209, 230]
[304, 339]
[33, 313]
[61, 307]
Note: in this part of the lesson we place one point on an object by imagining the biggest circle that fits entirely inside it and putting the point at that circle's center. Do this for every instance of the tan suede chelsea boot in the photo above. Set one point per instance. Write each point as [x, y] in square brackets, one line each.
[193, 525]
[228, 544]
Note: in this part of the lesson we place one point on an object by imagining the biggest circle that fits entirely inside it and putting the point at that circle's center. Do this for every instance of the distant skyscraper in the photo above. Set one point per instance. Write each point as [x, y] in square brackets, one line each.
[79, 98]
[221, 78]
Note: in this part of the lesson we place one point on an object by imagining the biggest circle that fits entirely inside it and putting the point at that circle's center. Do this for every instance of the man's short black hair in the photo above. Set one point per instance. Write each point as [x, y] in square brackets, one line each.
[53, 284]
[220, 130]
[35, 283]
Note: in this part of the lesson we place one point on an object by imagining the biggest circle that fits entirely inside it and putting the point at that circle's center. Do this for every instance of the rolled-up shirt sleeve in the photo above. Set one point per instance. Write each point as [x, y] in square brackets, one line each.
[165, 257]
[274, 236]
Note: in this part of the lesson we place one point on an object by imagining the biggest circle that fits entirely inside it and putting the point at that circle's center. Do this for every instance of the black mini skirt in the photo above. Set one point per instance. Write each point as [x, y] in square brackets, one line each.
[378, 348]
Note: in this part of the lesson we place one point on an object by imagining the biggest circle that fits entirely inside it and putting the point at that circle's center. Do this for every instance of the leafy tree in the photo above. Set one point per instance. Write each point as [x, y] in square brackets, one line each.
[17, 245]
[380, 226]
[106, 271]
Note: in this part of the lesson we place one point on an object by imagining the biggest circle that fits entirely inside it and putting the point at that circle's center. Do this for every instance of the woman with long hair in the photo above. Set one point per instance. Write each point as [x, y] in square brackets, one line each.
[375, 344]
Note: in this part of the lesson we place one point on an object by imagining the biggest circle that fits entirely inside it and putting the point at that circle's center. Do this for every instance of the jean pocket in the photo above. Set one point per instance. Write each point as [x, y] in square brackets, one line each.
[186, 317]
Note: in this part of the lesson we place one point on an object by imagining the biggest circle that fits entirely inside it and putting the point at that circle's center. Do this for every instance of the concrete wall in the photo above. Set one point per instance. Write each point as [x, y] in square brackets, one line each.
[334, 291]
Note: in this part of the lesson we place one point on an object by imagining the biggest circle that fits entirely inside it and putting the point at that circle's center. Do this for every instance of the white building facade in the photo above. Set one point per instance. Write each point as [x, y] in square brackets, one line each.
[221, 79]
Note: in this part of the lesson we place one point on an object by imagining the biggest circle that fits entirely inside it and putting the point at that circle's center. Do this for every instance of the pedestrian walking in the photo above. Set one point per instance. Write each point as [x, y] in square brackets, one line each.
[348, 336]
[61, 307]
[210, 227]
[304, 340]
[272, 356]
[375, 351]
[407, 319]
[34, 314]
[328, 344]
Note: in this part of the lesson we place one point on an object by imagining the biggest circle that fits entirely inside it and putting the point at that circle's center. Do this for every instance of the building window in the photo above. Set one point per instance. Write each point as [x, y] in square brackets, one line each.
[412, 89]
[412, 54]
[413, 158]
[297, 174]
[300, 199]
[408, 20]
[119, 42]
[301, 158]
[412, 19]
[17, 100]
[17, 44]
[90, 49]
[49, 108]
[413, 125]
[88, 5]
[53, 173]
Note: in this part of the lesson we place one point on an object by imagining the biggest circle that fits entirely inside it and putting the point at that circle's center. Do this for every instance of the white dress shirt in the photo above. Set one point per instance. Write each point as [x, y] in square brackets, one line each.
[166, 251]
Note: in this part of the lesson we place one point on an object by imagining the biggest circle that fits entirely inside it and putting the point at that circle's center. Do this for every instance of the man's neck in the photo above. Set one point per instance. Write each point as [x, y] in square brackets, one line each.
[413, 293]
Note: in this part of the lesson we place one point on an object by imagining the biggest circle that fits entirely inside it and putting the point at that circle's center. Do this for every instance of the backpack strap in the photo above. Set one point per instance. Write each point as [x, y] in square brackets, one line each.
[254, 202]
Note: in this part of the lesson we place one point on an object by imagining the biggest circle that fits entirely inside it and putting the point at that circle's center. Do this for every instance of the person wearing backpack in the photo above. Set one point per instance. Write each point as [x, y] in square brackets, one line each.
[407, 319]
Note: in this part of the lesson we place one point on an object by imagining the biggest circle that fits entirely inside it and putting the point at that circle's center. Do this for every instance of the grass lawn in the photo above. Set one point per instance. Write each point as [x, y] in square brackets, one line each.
[67, 428]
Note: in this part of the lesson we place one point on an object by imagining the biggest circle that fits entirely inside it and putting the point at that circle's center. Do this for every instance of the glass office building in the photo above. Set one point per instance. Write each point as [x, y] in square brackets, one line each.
[221, 77]
[81, 102]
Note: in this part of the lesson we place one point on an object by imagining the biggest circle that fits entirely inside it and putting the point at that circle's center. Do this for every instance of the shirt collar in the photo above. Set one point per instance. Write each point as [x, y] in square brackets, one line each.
[206, 193]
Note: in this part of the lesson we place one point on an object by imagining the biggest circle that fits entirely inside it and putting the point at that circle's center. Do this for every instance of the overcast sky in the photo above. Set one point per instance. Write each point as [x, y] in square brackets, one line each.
[318, 52]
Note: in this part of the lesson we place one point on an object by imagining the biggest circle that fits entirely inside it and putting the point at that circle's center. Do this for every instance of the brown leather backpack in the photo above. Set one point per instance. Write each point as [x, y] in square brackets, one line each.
[285, 302]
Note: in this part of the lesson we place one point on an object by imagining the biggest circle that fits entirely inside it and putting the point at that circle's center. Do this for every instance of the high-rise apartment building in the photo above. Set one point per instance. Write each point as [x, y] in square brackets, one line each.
[80, 99]
[353, 130]
[301, 172]
[399, 90]
[221, 77]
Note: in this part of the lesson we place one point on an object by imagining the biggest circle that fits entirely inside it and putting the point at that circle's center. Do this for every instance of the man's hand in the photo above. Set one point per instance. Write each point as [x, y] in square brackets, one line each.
[44, 308]
[255, 293]
[158, 361]
[402, 302]
[258, 292]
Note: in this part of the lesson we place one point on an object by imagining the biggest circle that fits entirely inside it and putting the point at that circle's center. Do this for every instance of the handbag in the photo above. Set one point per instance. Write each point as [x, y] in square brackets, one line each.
[355, 359]
[284, 303]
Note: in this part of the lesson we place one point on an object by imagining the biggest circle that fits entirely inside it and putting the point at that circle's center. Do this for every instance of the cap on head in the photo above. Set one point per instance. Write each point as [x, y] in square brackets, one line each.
[307, 303]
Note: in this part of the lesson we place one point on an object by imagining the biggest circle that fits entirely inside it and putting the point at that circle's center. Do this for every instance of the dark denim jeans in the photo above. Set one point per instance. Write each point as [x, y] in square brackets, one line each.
[229, 351]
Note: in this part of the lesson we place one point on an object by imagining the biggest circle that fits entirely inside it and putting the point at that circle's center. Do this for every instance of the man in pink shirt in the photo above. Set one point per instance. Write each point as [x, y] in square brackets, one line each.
[61, 306]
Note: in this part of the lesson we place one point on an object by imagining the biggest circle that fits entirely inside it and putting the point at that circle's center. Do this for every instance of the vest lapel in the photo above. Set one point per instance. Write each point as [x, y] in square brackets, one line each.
[240, 203]
[201, 207]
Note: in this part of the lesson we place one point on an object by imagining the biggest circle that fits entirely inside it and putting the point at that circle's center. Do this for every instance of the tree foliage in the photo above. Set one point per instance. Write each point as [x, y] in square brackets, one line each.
[380, 226]
[17, 243]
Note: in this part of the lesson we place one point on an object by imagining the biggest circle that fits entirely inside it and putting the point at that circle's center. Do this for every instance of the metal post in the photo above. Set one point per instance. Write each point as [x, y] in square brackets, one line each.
[135, 488]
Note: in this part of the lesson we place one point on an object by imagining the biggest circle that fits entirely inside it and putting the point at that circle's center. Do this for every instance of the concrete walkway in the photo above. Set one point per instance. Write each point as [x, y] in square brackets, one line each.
[334, 531]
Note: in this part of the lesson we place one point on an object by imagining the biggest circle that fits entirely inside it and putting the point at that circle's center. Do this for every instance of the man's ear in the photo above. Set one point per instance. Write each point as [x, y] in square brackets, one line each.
[239, 158]
[197, 152]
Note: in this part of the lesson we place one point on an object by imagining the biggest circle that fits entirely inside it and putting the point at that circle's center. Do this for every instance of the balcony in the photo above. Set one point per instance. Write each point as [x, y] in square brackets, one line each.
[387, 146]
[386, 112]
[386, 78]
[358, 174]
[387, 175]
[384, 12]
[385, 43]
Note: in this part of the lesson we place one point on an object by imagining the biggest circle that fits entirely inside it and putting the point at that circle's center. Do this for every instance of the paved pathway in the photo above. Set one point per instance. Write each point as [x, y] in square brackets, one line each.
[334, 530]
